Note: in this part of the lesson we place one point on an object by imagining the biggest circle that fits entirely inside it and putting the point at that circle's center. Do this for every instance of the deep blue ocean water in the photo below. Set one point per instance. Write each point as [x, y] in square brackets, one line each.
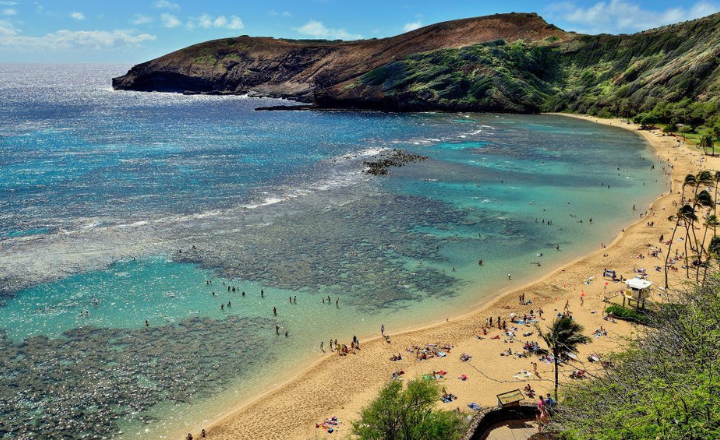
[118, 207]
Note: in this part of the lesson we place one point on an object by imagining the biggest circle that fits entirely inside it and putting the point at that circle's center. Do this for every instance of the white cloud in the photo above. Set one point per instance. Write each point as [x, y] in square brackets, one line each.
[207, 21]
[169, 20]
[12, 40]
[625, 16]
[166, 4]
[316, 29]
[7, 3]
[78, 16]
[141, 19]
[10, 11]
[7, 30]
[274, 13]
[412, 26]
[235, 23]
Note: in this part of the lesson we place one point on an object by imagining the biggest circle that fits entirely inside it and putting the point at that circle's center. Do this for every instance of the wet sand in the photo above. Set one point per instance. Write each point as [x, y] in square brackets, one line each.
[341, 385]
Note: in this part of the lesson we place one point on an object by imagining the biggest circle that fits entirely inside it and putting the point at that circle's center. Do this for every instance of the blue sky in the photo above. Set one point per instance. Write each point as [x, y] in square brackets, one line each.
[132, 31]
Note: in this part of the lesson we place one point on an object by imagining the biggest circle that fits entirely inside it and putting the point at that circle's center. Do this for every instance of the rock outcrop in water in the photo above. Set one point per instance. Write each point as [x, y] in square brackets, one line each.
[505, 62]
[393, 158]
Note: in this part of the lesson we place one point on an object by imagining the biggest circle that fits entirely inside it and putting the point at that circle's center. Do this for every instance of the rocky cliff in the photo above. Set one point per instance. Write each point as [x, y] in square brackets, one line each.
[298, 69]
[505, 62]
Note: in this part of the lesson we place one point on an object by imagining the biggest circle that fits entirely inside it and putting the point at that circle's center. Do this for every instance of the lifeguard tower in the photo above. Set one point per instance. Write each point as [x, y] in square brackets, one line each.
[637, 289]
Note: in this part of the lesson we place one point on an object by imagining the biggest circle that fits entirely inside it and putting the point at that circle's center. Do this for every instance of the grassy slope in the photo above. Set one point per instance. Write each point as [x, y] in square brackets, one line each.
[604, 74]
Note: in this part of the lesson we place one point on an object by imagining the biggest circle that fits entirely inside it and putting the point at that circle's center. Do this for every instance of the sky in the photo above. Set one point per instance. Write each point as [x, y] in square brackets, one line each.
[133, 31]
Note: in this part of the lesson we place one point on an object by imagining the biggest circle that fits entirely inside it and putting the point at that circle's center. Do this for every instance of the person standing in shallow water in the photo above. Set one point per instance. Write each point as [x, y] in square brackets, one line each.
[382, 329]
[275, 311]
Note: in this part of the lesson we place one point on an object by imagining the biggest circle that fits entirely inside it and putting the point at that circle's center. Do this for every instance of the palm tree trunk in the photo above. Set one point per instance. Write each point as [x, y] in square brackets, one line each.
[702, 247]
[557, 381]
[667, 257]
[687, 238]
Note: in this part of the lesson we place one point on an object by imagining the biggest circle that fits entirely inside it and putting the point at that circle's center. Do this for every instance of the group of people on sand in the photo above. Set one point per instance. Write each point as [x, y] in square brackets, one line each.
[203, 434]
[342, 349]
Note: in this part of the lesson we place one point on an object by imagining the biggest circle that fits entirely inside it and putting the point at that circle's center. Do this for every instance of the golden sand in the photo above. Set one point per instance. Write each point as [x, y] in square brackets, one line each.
[341, 386]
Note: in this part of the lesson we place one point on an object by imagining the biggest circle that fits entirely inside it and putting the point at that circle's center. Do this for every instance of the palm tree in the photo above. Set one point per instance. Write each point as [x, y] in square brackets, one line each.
[690, 180]
[689, 218]
[682, 213]
[563, 336]
[706, 142]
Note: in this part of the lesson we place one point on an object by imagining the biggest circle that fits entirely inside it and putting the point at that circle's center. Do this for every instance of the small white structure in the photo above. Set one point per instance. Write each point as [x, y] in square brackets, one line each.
[638, 290]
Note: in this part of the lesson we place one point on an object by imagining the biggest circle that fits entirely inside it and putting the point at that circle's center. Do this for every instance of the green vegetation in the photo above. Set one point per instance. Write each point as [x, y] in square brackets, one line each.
[491, 76]
[665, 385]
[626, 314]
[408, 414]
[668, 76]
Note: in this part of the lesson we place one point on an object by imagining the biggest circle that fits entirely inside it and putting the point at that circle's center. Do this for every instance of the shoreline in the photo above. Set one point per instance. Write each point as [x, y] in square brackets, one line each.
[349, 383]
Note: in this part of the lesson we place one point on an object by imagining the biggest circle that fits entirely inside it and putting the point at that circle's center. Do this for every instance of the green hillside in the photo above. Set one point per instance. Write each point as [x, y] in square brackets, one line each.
[671, 72]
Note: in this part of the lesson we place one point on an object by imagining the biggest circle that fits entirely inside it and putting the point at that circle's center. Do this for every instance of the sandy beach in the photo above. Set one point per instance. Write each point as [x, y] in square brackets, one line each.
[340, 386]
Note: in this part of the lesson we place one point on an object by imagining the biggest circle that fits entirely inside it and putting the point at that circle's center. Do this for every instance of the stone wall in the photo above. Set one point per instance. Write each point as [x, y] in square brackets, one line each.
[486, 418]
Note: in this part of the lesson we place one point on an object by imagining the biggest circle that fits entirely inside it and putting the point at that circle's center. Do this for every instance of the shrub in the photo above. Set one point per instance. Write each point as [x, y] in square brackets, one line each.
[626, 314]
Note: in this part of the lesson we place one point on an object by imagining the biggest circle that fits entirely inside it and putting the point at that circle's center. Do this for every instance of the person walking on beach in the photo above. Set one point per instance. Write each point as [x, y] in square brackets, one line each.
[321, 346]
[382, 329]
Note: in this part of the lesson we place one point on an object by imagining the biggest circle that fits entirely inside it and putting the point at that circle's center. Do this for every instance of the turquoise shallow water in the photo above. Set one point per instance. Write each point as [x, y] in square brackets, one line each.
[116, 208]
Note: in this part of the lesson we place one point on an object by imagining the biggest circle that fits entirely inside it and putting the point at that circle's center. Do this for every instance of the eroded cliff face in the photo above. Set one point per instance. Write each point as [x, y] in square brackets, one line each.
[503, 63]
[298, 69]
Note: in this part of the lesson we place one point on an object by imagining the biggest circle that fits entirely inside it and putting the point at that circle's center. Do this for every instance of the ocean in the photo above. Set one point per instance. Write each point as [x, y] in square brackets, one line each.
[145, 238]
